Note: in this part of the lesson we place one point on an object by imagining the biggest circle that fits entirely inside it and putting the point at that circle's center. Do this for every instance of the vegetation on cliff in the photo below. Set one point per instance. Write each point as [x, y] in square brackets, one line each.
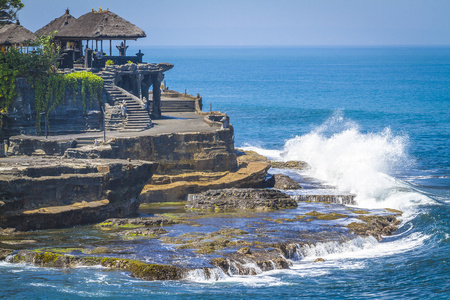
[49, 85]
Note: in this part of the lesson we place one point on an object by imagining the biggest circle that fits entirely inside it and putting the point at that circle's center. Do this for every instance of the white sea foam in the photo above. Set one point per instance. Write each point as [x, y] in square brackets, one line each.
[365, 247]
[363, 164]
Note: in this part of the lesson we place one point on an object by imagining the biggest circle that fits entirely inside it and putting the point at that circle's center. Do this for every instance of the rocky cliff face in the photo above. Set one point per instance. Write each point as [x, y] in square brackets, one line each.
[197, 151]
[49, 192]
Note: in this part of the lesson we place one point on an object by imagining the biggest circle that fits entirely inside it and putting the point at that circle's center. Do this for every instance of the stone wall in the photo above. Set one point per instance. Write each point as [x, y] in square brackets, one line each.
[68, 117]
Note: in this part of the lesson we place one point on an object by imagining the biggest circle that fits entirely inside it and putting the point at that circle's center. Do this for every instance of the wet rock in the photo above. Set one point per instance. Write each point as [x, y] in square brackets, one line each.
[137, 268]
[252, 263]
[299, 165]
[19, 242]
[157, 220]
[319, 259]
[99, 250]
[375, 226]
[240, 199]
[4, 253]
[149, 232]
[283, 182]
[245, 250]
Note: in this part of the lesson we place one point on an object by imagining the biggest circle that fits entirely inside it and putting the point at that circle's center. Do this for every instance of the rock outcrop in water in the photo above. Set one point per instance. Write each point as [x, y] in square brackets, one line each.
[283, 182]
[137, 268]
[240, 199]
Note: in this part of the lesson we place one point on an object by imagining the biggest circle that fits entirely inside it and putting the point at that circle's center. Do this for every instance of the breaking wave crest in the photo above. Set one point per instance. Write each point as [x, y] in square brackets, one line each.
[341, 155]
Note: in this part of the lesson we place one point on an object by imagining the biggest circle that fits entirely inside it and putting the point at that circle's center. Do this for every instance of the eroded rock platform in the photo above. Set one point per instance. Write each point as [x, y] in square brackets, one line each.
[51, 192]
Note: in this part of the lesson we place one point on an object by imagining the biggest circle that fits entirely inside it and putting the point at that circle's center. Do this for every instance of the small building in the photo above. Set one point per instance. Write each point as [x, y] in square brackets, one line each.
[15, 35]
[99, 27]
[57, 24]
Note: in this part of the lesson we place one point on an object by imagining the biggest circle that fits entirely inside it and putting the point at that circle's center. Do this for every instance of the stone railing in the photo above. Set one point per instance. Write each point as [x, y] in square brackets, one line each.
[216, 119]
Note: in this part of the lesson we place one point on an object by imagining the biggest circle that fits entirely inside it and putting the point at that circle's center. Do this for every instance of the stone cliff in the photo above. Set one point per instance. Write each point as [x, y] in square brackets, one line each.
[50, 192]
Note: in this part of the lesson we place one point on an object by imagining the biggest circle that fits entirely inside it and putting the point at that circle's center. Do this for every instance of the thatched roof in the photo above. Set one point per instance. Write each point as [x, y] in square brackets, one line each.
[104, 25]
[15, 34]
[57, 24]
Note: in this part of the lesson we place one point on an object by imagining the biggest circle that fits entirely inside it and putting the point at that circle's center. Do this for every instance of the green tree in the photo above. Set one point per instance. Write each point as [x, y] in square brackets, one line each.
[8, 10]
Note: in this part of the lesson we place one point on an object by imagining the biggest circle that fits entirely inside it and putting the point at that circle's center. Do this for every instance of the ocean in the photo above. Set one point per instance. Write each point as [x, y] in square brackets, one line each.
[373, 121]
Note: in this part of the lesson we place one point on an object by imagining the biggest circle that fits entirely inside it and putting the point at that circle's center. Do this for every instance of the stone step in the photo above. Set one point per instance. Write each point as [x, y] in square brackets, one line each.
[85, 141]
[138, 121]
[139, 116]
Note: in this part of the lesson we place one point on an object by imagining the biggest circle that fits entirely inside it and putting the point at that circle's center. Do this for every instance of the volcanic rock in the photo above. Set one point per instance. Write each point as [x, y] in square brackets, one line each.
[238, 199]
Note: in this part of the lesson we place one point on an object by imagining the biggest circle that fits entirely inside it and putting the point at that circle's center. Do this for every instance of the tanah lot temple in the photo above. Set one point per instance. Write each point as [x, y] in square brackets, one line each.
[86, 44]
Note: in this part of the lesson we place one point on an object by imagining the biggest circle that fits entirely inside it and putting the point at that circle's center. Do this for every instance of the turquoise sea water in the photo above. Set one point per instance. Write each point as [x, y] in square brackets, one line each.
[371, 121]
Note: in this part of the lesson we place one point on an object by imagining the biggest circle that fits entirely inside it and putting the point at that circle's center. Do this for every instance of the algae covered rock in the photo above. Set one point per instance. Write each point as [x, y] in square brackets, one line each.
[137, 268]
[157, 220]
[240, 199]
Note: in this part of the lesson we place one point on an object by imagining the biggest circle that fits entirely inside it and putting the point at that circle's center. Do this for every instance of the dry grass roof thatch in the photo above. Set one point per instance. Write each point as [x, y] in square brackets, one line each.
[15, 34]
[57, 24]
[104, 25]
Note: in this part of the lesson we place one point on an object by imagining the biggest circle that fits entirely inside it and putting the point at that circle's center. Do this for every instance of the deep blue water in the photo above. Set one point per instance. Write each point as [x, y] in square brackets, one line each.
[373, 121]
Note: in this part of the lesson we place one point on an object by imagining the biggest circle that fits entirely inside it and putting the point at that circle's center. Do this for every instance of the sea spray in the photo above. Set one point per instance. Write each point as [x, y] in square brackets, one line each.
[341, 155]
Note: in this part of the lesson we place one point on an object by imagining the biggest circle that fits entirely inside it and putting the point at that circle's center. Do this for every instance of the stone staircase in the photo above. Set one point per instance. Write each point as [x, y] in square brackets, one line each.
[85, 141]
[137, 118]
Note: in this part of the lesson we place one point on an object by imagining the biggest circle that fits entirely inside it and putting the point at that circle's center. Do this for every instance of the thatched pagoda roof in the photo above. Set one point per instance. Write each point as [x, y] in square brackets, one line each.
[15, 34]
[103, 25]
[57, 24]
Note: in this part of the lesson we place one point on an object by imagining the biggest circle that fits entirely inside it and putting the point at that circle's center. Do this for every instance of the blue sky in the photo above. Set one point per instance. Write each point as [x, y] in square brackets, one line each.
[264, 22]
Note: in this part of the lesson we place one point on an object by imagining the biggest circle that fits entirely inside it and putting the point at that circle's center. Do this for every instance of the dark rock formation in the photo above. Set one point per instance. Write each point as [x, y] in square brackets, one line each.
[49, 192]
[238, 263]
[157, 220]
[283, 182]
[375, 226]
[236, 199]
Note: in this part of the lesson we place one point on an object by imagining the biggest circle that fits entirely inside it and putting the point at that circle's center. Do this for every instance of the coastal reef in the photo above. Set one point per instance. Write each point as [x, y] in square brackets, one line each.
[199, 244]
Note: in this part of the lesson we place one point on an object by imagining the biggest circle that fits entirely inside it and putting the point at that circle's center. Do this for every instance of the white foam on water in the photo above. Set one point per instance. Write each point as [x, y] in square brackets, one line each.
[363, 247]
[270, 154]
[364, 164]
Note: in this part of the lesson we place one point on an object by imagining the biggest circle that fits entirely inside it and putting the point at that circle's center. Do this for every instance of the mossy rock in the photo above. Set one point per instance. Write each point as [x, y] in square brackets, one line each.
[323, 216]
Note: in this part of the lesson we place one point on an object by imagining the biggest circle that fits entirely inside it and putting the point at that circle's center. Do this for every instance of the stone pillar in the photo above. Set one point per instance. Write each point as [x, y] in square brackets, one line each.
[156, 81]
[88, 58]
[139, 79]
[145, 85]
